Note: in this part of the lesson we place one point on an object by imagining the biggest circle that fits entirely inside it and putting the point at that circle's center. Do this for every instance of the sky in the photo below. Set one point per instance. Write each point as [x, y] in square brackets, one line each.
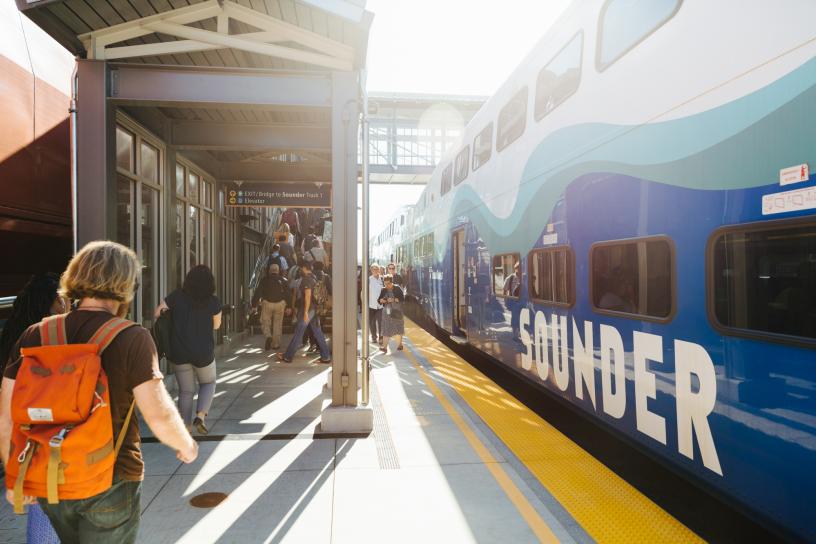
[465, 47]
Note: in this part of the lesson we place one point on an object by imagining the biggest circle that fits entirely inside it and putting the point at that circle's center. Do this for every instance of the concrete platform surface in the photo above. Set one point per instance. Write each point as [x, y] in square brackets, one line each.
[430, 472]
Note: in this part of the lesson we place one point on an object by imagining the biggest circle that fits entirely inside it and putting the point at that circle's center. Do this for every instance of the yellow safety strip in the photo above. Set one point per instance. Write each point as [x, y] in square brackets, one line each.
[530, 515]
[606, 506]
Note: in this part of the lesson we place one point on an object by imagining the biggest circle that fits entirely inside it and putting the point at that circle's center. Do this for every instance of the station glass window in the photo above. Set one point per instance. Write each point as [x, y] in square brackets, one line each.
[179, 180]
[507, 275]
[551, 275]
[192, 186]
[633, 278]
[764, 280]
[445, 185]
[462, 160]
[560, 78]
[125, 148]
[482, 146]
[139, 218]
[194, 209]
[512, 120]
[626, 23]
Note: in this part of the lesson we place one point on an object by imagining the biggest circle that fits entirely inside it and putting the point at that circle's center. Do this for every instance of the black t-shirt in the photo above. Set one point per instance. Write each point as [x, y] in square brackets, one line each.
[191, 340]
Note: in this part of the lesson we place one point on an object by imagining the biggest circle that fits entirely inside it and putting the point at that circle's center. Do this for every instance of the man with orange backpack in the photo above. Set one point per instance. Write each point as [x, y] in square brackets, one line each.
[68, 437]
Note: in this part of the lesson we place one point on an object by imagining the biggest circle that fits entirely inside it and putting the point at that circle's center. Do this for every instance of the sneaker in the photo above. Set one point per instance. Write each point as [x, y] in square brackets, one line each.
[268, 344]
[384, 350]
[281, 357]
[324, 361]
[198, 423]
[313, 349]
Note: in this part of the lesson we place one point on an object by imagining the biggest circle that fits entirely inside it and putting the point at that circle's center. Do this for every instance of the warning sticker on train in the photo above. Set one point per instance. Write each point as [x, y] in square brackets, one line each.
[794, 174]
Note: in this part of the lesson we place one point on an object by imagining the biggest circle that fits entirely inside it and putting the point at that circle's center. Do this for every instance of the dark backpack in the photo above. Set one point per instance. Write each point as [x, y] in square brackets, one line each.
[278, 289]
[162, 329]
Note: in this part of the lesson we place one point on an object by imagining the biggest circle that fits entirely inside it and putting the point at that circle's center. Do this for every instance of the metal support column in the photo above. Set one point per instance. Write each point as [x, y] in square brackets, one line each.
[345, 414]
[94, 157]
[364, 346]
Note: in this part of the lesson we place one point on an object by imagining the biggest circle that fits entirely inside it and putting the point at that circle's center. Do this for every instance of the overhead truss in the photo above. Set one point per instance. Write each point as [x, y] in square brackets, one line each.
[322, 51]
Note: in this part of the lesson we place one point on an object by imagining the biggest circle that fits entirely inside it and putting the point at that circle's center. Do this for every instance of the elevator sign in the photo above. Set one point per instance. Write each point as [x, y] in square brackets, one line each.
[279, 195]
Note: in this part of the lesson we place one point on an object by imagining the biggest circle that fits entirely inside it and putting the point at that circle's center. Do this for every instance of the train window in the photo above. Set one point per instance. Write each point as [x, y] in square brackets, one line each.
[512, 120]
[507, 275]
[626, 23]
[633, 278]
[482, 146]
[446, 180]
[560, 78]
[125, 150]
[763, 280]
[551, 275]
[462, 160]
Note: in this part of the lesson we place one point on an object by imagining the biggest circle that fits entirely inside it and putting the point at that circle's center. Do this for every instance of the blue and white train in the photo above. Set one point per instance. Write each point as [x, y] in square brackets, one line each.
[631, 222]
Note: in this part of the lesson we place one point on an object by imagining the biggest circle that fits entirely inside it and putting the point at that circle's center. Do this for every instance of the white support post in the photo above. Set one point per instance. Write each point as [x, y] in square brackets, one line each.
[345, 414]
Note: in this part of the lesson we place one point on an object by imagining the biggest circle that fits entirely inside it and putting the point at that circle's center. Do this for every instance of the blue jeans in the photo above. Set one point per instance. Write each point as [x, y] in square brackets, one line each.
[297, 338]
[112, 516]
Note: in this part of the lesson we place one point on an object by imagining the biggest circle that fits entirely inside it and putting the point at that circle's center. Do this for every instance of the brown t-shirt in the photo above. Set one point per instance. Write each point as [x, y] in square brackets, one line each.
[130, 360]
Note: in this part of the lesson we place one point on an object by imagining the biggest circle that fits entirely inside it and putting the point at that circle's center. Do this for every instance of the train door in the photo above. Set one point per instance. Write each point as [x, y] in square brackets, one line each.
[459, 305]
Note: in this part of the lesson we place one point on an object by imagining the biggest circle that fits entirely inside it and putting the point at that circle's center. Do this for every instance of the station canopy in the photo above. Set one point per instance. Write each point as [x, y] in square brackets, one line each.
[232, 139]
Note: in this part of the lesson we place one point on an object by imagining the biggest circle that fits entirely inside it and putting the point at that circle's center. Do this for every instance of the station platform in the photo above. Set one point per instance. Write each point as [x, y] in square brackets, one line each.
[453, 458]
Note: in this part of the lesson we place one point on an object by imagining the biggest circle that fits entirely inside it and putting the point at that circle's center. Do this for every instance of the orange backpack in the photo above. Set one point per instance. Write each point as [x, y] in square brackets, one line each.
[62, 441]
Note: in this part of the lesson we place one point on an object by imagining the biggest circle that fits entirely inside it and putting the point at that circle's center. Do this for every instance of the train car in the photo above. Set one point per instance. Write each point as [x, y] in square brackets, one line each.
[35, 175]
[630, 223]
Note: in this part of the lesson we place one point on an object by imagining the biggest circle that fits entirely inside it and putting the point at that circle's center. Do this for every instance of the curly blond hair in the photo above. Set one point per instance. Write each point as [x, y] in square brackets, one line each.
[102, 270]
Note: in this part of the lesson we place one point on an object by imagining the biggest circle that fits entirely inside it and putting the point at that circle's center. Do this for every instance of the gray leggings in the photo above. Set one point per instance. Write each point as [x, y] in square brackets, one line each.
[186, 375]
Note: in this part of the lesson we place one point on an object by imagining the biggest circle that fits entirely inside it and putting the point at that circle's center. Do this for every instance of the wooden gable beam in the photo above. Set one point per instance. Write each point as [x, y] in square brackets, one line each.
[237, 42]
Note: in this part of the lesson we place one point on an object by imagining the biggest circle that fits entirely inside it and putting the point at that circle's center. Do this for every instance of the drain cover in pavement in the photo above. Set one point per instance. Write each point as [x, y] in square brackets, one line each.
[208, 500]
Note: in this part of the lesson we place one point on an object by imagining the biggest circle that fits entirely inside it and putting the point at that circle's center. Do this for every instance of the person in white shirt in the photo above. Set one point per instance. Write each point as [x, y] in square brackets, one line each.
[375, 285]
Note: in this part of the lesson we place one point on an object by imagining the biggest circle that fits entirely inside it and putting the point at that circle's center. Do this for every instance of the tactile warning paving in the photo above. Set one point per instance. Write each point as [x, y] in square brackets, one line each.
[607, 507]
[386, 451]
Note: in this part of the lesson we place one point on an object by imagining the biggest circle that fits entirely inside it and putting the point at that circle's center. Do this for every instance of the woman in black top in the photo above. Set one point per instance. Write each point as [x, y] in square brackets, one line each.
[195, 313]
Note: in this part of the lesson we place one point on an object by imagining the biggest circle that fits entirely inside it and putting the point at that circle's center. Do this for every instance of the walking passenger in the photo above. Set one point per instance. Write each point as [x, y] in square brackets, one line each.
[399, 282]
[291, 219]
[273, 295]
[306, 318]
[102, 278]
[195, 312]
[322, 290]
[277, 258]
[375, 285]
[393, 322]
[287, 252]
[398, 279]
[38, 299]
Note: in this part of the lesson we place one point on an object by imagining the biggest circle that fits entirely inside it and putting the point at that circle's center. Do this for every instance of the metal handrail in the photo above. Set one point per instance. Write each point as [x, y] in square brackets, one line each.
[7, 302]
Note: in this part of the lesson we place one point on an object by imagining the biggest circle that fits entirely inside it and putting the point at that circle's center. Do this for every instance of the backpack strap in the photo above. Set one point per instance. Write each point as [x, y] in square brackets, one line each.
[121, 438]
[52, 331]
[109, 331]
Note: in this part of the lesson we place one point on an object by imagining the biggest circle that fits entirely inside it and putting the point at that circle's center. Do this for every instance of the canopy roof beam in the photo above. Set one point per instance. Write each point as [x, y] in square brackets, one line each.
[249, 137]
[322, 51]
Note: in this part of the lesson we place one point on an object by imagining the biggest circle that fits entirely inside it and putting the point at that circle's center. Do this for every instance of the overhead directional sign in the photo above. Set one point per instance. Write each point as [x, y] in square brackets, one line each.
[279, 195]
